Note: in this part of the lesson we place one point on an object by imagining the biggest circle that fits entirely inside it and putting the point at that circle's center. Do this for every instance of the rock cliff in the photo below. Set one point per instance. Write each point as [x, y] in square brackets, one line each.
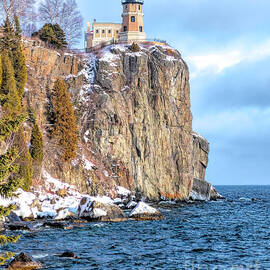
[134, 119]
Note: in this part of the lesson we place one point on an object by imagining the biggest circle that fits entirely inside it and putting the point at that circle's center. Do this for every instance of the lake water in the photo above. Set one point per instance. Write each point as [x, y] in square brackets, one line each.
[231, 234]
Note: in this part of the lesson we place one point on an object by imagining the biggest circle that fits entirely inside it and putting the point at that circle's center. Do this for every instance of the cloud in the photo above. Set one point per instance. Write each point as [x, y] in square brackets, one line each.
[246, 84]
[217, 62]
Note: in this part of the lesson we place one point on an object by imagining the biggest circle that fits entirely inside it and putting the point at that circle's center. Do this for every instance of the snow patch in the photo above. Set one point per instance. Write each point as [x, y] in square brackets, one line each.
[88, 165]
[122, 191]
[143, 208]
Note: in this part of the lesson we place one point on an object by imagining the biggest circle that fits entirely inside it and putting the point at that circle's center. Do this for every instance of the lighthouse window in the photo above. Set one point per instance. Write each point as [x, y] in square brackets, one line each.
[97, 31]
[109, 31]
[126, 6]
[141, 29]
[139, 7]
[133, 18]
[125, 28]
[103, 31]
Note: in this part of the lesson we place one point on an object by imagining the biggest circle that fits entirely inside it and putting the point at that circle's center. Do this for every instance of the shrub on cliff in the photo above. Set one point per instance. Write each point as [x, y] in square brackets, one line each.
[64, 121]
[36, 148]
[135, 47]
[53, 35]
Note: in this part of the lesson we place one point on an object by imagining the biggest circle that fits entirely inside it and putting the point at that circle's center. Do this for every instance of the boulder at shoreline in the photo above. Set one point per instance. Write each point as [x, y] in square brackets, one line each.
[143, 212]
[23, 261]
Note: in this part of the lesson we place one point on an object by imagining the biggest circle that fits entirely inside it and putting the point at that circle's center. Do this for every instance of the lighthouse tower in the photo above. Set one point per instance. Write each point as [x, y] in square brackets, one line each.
[132, 25]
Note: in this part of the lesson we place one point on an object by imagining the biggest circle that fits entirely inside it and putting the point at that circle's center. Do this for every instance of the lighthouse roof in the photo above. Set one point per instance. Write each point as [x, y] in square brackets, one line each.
[132, 2]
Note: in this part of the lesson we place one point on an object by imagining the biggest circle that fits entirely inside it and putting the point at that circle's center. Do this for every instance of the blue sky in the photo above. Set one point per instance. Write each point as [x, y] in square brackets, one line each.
[226, 44]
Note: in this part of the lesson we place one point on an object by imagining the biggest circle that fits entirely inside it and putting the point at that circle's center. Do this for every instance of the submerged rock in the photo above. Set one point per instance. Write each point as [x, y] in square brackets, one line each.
[144, 211]
[69, 254]
[98, 211]
[62, 225]
[23, 261]
[20, 226]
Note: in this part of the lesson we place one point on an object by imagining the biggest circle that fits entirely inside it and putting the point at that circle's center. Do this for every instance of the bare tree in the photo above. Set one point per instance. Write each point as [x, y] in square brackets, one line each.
[66, 14]
[24, 9]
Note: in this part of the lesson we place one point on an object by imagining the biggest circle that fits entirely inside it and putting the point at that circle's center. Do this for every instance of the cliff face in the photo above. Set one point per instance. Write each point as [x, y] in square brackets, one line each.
[139, 116]
[134, 119]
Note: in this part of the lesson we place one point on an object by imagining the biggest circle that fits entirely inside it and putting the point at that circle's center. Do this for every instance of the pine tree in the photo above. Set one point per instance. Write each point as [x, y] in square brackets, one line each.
[9, 183]
[53, 35]
[36, 149]
[18, 30]
[65, 130]
[20, 70]
[9, 41]
[1, 70]
[16, 161]
[24, 160]
[9, 126]
[10, 99]
[60, 36]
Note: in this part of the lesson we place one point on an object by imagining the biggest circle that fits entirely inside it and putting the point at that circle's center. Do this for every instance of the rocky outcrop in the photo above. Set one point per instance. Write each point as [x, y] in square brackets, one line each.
[201, 189]
[134, 120]
[199, 156]
[24, 261]
[143, 212]
[99, 211]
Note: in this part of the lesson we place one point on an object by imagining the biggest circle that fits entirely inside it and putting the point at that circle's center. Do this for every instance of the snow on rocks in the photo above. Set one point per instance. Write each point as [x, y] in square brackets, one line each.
[49, 203]
[96, 210]
[143, 211]
[131, 205]
[122, 191]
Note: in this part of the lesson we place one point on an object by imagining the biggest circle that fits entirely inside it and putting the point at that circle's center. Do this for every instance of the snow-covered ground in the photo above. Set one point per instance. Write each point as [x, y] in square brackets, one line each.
[48, 203]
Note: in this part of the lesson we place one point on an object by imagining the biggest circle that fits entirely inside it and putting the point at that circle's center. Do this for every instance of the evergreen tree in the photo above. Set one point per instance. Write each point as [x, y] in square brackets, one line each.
[20, 70]
[1, 70]
[18, 30]
[24, 160]
[53, 35]
[9, 126]
[8, 42]
[8, 185]
[60, 35]
[16, 162]
[65, 130]
[10, 99]
[36, 149]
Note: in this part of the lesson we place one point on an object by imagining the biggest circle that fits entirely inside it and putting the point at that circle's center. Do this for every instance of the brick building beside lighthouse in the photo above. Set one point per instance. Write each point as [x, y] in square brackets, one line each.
[130, 30]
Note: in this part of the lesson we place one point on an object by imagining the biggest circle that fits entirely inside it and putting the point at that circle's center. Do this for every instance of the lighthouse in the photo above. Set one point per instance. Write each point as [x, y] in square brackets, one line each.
[132, 21]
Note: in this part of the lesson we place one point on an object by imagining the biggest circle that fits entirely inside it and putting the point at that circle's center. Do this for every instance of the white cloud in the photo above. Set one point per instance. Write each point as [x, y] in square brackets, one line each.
[214, 63]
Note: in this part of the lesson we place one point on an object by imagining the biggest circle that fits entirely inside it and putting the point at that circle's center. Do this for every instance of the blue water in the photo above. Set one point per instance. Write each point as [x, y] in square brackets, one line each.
[231, 234]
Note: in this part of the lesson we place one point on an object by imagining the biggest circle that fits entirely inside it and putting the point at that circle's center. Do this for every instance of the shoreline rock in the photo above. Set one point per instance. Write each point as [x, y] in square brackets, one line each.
[204, 191]
[99, 211]
[144, 212]
[23, 261]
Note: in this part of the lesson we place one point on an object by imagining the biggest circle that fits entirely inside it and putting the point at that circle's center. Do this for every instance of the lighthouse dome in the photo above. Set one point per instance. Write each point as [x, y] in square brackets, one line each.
[132, 2]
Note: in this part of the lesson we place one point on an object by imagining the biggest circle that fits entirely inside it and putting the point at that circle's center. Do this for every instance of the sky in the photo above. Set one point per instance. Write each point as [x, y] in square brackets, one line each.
[226, 44]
